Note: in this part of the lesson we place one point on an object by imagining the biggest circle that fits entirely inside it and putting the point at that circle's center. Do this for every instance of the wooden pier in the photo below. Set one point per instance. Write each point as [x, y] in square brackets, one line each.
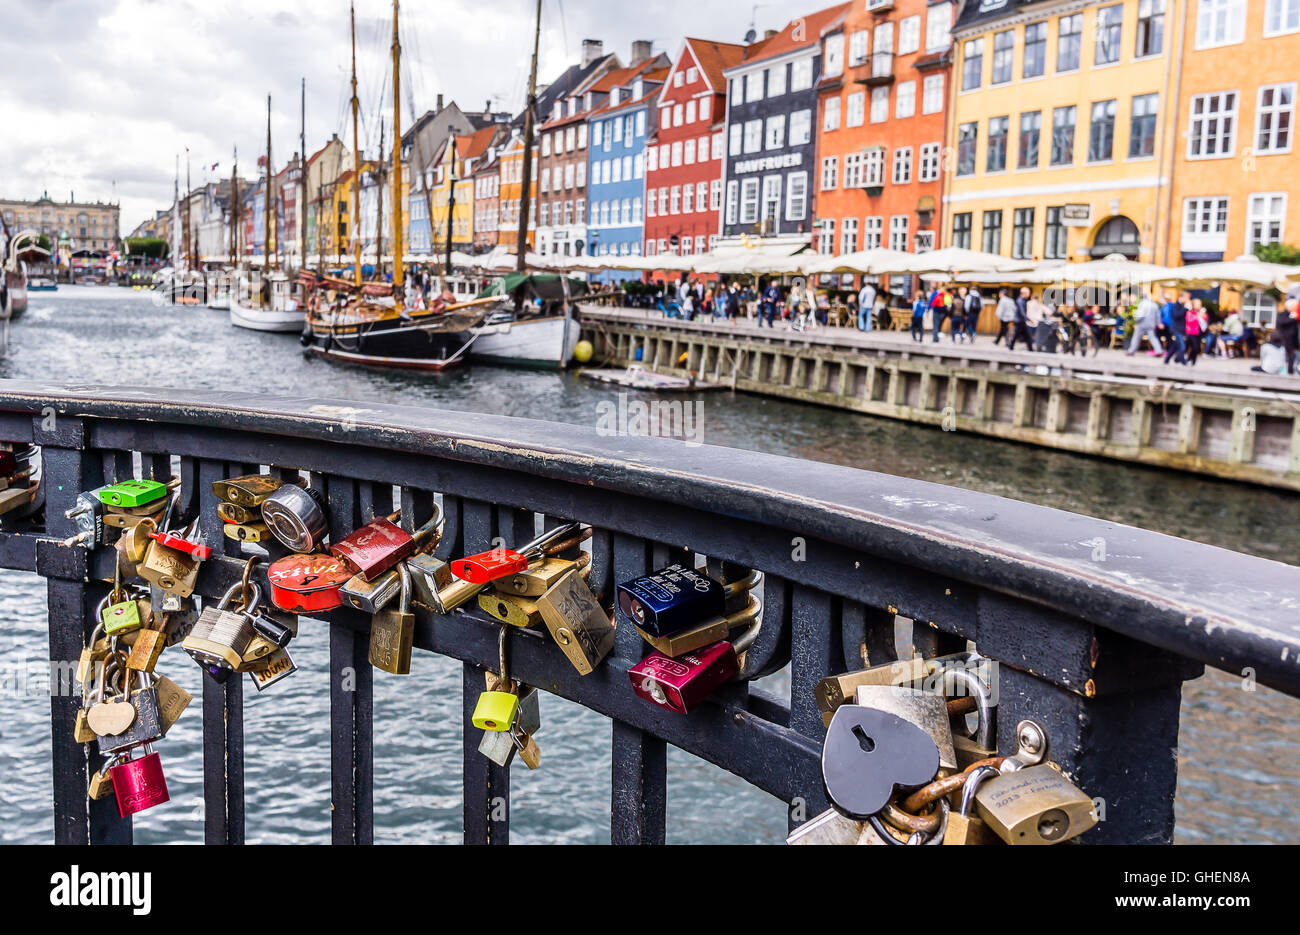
[1218, 419]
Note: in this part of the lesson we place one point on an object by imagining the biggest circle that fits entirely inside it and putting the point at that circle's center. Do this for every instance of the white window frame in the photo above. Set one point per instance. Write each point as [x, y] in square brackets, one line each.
[938, 23]
[873, 232]
[905, 100]
[1258, 309]
[830, 172]
[931, 162]
[909, 34]
[902, 165]
[749, 201]
[1281, 10]
[932, 94]
[855, 112]
[1229, 148]
[831, 115]
[796, 194]
[1231, 14]
[1276, 111]
[898, 224]
[848, 236]
[1254, 216]
[880, 104]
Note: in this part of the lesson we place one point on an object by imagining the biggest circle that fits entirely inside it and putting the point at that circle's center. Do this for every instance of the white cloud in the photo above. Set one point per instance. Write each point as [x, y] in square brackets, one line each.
[99, 96]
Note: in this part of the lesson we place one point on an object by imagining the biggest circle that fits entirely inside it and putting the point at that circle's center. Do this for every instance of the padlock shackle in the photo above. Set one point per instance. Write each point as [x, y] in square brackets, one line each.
[753, 611]
[747, 583]
[501, 653]
[986, 730]
[972, 785]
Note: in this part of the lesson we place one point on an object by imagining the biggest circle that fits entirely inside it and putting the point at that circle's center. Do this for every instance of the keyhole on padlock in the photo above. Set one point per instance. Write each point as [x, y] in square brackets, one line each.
[865, 742]
[1053, 824]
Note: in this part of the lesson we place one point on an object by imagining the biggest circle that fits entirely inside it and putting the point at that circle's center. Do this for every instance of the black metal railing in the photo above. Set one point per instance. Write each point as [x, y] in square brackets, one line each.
[1093, 645]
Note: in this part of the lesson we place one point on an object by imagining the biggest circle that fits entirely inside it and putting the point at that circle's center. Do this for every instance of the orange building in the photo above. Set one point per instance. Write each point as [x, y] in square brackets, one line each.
[1235, 159]
[881, 113]
[512, 187]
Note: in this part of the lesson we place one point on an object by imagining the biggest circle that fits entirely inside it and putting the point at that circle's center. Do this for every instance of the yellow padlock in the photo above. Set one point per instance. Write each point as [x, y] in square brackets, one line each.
[496, 710]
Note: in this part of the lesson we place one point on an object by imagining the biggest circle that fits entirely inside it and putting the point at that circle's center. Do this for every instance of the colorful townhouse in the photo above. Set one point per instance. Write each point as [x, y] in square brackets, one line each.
[452, 188]
[771, 143]
[618, 126]
[487, 202]
[881, 110]
[511, 162]
[1235, 159]
[1059, 128]
[684, 158]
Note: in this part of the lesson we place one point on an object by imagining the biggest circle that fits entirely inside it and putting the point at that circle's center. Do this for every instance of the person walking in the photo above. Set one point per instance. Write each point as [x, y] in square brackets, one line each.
[1175, 316]
[1020, 332]
[1198, 320]
[733, 302]
[1145, 323]
[767, 305]
[1006, 312]
[866, 305]
[974, 306]
[939, 305]
[1288, 329]
[957, 322]
[919, 305]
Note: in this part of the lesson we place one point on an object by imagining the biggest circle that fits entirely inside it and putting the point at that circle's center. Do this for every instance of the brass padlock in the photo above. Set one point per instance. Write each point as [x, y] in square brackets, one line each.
[540, 578]
[576, 621]
[928, 710]
[146, 649]
[393, 631]
[247, 532]
[236, 514]
[835, 690]
[101, 781]
[246, 490]
[172, 700]
[221, 636]
[510, 608]
[681, 642]
[1035, 805]
[830, 827]
[963, 827]
[170, 569]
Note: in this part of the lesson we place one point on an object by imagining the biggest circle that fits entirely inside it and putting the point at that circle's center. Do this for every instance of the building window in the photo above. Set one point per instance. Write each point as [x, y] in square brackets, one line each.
[1205, 218]
[754, 86]
[898, 232]
[1022, 234]
[1281, 16]
[854, 170]
[872, 230]
[972, 64]
[931, 153]
[1063, 119]
[1151, 28]
[1213, 129]
[826, 236]
[1258, 309]
[734, 142]
[775, 133]
[831, 115]
[1265, 219]
[1109, 37]
[749, 201]
[858, 47]
[932, 94]
[715, 195]
[1069, 42]
[1054, 242]
[1035, 50]
[801, 74]
[1273, 118]
[856, 115]
[753, 136]
[1101, 133]
[830, 172]
[800, 127]
[909, 35]
[879, 105]
[1142, 126]
[732, 200]
[904, 99]
[938, 22]
[992, 233]
[1220, 22]
[1004, 47]
[902, 165]
[675, 200]
[1031, 126]
[688, 199]
[848, 235]
[873, 167]
[967, 137]
[771, 197]
[996, 159]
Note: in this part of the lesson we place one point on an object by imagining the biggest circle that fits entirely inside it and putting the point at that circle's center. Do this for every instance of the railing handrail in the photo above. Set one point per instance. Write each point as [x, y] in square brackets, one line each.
[1209, 604]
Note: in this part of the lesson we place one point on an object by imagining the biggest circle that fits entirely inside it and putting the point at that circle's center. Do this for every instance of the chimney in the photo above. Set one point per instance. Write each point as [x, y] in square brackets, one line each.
[641, 50]
[439, 104]
[487, 106]
[592, 49]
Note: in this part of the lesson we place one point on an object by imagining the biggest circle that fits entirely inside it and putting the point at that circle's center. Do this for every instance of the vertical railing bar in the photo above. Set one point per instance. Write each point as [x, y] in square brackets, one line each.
[452, 543]
[815, 650]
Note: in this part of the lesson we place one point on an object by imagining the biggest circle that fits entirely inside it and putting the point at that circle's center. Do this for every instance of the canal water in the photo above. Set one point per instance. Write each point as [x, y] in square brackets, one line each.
[1239, 754]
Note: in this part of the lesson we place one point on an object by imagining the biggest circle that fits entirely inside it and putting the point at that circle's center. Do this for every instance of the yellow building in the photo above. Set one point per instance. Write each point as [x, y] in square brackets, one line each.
[1236, 158]
[1059, 132]
[455, 164]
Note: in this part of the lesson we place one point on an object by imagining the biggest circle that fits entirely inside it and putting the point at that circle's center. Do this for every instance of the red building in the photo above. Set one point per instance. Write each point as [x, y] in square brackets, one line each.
[684, 159]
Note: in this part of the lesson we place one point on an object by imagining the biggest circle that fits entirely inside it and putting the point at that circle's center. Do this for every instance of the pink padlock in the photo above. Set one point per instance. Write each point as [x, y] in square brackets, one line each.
[139, 784]
[682, 683]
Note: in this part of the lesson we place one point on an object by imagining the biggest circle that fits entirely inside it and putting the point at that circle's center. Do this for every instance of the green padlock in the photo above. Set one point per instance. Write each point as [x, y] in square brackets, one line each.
[132, 493]
[119, 618]
[496, 710]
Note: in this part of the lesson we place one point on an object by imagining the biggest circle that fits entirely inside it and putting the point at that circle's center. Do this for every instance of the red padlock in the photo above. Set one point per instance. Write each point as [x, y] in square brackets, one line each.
[682, 683]
[303, 583]
[172, 541]
[490, 565]
[139, 784]
[374, 548]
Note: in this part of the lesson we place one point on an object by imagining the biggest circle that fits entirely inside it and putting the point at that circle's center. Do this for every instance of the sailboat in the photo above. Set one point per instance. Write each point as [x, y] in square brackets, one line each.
[368, 323]
[274, 308]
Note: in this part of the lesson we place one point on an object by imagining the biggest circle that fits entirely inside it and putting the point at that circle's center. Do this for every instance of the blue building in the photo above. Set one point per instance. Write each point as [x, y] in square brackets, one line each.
[619, 126]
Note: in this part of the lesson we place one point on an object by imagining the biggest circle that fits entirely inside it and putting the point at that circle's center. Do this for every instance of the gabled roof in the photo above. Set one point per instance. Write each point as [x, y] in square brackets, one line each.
[800, 33]
[617, 77]
[476, 143]
[713, 58]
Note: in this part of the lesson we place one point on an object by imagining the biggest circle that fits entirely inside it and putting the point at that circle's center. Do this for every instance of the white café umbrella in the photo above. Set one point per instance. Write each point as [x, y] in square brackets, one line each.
[873, 262]
[954, 260]
[1245, 270]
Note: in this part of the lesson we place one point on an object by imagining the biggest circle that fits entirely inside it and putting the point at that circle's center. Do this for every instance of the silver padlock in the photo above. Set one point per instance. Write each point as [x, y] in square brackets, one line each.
[497, 745]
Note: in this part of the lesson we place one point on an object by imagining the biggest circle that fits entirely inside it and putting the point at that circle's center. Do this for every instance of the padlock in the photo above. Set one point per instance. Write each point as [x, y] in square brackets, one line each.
[121, 616]
[221, 636]
[236, 515]
[139, 784]
[528, 749]
[671, 599]
[16, 497]
[89, 515]
[579, 625]
[510, 609]
[134, 542]
[928, 710]
[682, 683]
[681, 642]
[374, 548]
[114, 520]
[496, 710]
[1034, 805]
[132, 493]
[274, 631]
[247, 532]
[172, 701]
[392, 632]
[830, 827]
[107, 715]
[835, 690]
[182, 543]
[371, 596]
[278, 666]
[97, 651]
[257, 656]
[296, 516]
[499, 746]
[498, 563]
[537, 580]
[248, 490]
[101, 784]
[307, 583]
[426, 573]
[869, 755]
[966, 681]
[146, 649]
[169, 568]
[963, 827]
[145, 726]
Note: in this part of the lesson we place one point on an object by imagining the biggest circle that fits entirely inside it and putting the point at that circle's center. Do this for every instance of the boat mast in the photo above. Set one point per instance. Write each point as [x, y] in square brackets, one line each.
[355, 226]
[451, 205]
[398, 266]
[189, 241]
[234, 205]
[268, 199]
[302, 179]
[379, 206]
[525, 200]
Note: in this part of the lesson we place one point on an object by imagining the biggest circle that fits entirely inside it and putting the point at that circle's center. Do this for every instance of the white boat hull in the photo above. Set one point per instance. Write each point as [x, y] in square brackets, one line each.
[541, 342]
[261, 319]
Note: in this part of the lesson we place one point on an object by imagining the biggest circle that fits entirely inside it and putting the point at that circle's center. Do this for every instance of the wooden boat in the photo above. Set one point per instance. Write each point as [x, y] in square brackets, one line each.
[636, 377]
[279, 310]
[18, 250]
[42, 284]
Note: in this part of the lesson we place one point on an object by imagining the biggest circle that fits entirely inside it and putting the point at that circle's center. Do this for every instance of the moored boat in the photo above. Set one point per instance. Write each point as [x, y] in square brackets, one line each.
[278, 310]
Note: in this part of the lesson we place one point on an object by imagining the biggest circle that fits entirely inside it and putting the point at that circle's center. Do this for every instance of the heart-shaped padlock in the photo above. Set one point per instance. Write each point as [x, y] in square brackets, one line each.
[868, 754]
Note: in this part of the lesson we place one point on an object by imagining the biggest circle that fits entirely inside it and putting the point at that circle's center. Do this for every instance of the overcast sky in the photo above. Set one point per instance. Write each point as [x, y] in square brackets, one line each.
[99, 96]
